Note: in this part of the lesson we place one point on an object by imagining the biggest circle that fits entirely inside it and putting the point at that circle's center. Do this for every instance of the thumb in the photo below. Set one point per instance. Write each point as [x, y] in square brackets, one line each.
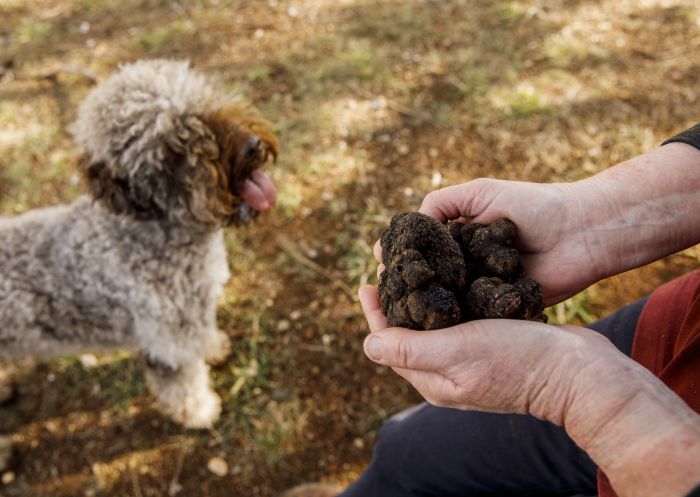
[409, 349]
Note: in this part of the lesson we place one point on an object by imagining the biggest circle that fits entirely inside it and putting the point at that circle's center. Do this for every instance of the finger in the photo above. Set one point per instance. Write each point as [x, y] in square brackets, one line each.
[416, 350]
[254, 196]
[266, 185]
[378, 251]
[369, 300]
[380, 269]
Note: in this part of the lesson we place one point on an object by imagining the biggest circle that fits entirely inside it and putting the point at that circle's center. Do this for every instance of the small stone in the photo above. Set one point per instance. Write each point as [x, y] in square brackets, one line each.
[283, 325]
[8, 478]
[217, 466]
[295, 315]
[88, 361]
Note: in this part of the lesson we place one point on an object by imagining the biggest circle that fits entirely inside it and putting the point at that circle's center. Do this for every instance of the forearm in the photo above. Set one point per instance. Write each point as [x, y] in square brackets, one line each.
[641, 210]
[640, 433]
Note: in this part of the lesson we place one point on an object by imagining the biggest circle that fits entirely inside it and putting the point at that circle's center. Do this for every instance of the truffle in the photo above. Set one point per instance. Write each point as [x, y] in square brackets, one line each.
[441, 275]
[424, 274]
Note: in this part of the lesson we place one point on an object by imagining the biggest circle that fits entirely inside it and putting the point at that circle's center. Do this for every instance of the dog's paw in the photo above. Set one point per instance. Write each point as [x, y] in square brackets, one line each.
[220, 349]
[198, 411]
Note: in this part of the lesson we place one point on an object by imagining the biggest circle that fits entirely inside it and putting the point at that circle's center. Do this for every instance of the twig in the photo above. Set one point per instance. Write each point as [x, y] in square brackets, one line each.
[70, 69]
[293, 251]
[174, 488]
[312, 347]
[135, 481]
[52, 74]
[401, 109]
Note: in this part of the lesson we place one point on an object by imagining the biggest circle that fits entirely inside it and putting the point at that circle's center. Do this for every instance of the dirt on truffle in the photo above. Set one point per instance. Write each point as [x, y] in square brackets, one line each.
[440, 275]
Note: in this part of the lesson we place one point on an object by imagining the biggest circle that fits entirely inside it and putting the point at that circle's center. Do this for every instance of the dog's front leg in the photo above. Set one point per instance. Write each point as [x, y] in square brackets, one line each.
[217, 346]
[183, 389]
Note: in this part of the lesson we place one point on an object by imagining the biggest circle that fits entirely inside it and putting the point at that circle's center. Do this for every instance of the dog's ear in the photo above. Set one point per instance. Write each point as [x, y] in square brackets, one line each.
[140, 195]
[201, 181]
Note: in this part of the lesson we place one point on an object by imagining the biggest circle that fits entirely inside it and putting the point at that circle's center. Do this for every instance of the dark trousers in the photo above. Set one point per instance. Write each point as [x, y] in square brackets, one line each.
[428, 451]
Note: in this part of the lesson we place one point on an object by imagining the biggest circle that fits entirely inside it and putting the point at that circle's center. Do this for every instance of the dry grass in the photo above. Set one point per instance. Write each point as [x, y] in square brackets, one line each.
[377, 103]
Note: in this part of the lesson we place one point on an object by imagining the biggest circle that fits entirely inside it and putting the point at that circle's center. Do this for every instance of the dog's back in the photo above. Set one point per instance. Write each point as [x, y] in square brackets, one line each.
[55, 267]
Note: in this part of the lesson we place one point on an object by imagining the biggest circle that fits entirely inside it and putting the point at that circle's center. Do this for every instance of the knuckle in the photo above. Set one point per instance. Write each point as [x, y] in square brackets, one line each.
[404, 352]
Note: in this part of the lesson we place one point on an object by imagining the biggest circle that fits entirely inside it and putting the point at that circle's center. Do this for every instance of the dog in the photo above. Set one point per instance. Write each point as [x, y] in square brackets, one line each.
[139, 261]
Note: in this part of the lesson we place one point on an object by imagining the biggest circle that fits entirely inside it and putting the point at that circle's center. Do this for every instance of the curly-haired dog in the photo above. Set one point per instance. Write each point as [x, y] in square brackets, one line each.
[140, 261]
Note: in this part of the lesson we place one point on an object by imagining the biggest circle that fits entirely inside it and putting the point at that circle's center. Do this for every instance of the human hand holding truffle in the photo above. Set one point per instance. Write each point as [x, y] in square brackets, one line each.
[487, 365]
[626, 419]
[550, 220]
[575, 234]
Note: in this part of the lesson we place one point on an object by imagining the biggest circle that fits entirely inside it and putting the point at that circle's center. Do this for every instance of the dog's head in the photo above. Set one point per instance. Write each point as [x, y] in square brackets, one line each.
[161, 143]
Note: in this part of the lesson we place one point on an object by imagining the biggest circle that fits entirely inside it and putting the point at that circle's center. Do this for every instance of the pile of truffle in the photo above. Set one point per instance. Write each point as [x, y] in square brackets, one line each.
[440, 275]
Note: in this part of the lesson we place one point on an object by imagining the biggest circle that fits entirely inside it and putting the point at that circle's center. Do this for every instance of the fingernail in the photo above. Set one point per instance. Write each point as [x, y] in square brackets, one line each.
[373, 348]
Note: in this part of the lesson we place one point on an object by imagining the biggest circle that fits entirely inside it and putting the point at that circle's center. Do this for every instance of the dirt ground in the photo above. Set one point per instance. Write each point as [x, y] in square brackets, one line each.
[377, 102]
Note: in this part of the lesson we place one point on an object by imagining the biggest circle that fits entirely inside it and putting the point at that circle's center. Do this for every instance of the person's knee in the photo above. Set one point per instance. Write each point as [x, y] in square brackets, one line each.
[395, 457]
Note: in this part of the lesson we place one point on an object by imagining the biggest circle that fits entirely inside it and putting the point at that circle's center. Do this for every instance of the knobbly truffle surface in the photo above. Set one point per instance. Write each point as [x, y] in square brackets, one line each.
[440, 275]
[424, 273]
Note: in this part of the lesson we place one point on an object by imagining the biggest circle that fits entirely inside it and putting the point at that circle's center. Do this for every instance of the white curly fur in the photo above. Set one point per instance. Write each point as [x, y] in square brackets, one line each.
[83, 277]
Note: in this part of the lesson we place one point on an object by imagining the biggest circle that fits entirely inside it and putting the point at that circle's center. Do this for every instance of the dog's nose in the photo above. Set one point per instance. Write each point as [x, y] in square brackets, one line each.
[250, 148]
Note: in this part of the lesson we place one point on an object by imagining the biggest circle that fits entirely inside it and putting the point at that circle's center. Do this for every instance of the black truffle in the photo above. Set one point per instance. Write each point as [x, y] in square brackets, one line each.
[424, 274]
[441, 275]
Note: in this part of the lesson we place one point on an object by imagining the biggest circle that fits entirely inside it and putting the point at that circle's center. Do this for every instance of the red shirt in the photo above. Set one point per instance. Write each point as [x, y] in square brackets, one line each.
[667, 342]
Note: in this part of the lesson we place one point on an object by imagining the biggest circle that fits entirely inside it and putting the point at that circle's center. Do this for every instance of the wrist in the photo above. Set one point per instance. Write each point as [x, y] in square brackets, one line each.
[641, 210]
[639, 432]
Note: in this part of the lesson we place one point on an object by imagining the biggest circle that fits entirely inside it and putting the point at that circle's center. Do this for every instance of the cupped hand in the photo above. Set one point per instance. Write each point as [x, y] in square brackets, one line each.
[557, 247]
[490, 365]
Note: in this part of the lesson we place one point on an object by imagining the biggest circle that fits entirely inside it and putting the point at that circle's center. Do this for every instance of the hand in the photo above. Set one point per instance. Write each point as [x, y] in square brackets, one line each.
[556, 247]
[645, 438]
[497, 365]
[574, 234]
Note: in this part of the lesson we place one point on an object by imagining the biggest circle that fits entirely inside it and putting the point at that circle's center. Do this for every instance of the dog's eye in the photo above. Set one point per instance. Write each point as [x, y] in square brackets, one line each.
[250, 149]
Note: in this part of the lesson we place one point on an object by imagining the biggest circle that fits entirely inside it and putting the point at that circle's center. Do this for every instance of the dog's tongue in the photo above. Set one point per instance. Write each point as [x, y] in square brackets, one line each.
[259, 192]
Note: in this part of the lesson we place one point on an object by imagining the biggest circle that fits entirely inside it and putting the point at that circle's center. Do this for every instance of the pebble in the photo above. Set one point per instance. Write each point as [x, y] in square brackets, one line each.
[217, 466]
[283, 325]
[8, 477]
[88, 361]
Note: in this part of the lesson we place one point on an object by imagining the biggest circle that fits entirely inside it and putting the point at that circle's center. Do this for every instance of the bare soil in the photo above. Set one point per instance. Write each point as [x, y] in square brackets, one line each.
[377, 102]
